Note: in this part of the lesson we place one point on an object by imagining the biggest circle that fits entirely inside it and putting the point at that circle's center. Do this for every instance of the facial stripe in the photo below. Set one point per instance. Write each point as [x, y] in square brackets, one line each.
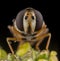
[29, 22]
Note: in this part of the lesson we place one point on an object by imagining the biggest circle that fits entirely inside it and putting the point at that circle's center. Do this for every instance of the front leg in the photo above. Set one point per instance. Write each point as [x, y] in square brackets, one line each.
[17, 37]
[8, 41]
[42, 37]
[37, 44]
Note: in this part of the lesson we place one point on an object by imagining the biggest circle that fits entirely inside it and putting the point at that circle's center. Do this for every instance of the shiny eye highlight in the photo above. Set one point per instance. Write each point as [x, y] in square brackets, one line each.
[26, 17]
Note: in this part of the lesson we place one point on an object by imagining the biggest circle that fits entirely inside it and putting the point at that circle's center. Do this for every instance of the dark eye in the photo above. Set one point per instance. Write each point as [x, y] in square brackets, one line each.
[33, 17]
[26, 17]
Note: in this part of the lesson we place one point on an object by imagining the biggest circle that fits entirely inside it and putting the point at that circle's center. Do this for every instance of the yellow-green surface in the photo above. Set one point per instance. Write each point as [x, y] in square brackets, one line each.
[27, 53]
[3, 54]
[23, 49]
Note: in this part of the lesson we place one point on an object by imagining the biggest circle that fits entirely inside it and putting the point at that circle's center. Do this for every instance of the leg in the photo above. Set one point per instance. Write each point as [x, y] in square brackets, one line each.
[42, 37]
[48, 42]
[37, 45]
[8, 41]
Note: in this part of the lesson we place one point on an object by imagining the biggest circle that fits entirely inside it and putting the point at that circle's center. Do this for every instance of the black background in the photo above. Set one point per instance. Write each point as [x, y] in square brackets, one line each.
[49, 10]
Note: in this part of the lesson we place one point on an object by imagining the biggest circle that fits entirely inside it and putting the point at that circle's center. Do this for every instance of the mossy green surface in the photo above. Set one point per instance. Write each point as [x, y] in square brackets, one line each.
[23, 49]
[27, 53]
[3, 54]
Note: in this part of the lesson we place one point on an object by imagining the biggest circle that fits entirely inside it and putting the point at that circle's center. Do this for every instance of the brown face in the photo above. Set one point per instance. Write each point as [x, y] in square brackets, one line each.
[29, 22]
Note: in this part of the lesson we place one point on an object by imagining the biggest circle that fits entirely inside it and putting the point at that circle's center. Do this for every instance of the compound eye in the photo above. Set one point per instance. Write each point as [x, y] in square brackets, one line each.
[33, 17]
[26, 17]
